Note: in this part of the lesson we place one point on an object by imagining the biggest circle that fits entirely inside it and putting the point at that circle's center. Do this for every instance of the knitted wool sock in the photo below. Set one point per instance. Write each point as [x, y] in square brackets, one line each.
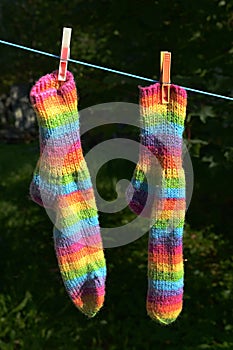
[62, 183]
[162, 129]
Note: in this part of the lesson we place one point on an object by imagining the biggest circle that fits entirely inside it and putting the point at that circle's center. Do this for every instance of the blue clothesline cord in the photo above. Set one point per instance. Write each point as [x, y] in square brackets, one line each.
[110, 70]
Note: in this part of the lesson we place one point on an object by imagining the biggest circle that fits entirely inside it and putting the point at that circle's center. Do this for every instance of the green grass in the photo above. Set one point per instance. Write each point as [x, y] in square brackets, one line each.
[36, 312]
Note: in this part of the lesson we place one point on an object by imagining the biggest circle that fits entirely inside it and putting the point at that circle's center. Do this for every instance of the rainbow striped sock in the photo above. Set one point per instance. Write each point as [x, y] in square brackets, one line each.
[62, 184]
[161, 134]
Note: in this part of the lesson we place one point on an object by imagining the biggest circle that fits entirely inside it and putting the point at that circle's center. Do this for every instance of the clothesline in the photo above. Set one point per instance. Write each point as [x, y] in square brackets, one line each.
[111, 70]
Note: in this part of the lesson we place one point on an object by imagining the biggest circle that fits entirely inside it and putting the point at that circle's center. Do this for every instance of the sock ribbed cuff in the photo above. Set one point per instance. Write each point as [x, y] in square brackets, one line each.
[152, 111]
[55, 102]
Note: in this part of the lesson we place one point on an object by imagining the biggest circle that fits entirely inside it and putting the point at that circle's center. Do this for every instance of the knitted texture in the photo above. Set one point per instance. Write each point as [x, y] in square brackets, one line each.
[162, 127]
[62, 184]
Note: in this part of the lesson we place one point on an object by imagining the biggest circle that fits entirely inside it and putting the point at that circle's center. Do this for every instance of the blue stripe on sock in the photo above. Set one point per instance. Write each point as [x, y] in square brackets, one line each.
[85, 231]
[60, 131]
[171, 129]
[138, 185]
[65, 189]
[172, 193]
[166, 285]
[176, 232]
[71, 230]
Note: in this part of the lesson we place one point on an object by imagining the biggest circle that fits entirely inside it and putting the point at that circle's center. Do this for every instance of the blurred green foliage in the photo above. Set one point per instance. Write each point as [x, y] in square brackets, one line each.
[35, 311]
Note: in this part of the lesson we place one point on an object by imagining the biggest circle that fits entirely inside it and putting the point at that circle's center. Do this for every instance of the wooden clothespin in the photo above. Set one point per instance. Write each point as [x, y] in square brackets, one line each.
[165, 80]
[65, 53]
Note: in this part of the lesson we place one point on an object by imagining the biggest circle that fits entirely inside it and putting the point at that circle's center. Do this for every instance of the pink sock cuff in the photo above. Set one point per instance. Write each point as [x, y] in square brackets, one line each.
[49, 86]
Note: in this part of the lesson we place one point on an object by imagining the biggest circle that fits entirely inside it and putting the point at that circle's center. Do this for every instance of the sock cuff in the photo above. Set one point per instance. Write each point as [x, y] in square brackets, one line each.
[54, 101]
[152, 94]
[48, 85]
[156, 116]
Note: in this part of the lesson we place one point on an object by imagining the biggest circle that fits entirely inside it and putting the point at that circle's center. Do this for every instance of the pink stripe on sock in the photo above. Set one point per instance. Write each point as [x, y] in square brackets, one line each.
[165, 250]
[166, 300]
[74, 247]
